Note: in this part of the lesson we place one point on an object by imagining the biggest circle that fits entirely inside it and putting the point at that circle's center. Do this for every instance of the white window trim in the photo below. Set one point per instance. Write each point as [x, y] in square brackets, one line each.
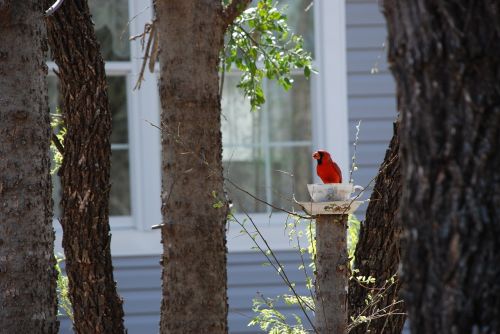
[330, 120]
[329, 124]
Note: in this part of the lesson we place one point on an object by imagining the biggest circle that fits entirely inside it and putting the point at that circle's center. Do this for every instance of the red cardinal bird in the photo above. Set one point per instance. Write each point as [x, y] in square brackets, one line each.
[327, 169]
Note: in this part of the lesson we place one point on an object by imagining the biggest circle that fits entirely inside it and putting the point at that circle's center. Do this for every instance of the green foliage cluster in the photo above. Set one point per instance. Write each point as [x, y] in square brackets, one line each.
[261, 45]
[63, 291]
[57, 127]
[269, 319]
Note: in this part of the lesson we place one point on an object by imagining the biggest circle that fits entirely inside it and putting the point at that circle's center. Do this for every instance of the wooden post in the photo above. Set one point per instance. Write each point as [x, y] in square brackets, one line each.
[331, 263]
[331, 274]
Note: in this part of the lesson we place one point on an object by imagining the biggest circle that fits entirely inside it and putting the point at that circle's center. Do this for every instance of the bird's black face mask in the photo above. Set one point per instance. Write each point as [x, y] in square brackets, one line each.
[320, 160]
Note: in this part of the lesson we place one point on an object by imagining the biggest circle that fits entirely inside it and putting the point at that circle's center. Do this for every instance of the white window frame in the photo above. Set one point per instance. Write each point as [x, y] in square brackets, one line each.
[132, 236]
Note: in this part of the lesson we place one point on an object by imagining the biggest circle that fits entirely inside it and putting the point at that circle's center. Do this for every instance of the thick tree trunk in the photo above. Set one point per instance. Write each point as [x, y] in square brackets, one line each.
[332, 274]
[28, 299]
[194, 246]
[85, 170]
[378, 250]
[445, 58]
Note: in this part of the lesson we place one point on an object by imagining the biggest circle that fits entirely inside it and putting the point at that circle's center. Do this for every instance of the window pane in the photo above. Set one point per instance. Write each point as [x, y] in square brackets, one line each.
[111, 28]
[54, 102]
[291, 172]
[239, 124]
[245, 168]
[290, 112]
[119, 198]
[300, 15]
[117, 94]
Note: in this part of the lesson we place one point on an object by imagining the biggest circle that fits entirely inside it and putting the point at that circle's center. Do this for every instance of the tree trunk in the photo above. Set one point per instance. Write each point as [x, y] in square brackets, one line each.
[445, 58]
[85, 170]
[27, 275]
[331, 277]
[191, 36]
[378, 250]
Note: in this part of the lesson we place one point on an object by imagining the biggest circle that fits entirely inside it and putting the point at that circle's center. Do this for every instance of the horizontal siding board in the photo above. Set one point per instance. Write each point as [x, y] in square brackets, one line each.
[370, 84]
[257, 274]
[372, 131]
[142, 302]
[370, 154]
[142, 278]
[363, 14]
[142, 324]
[136, 262]
[367, 61]
[362, 38]
[372, 108]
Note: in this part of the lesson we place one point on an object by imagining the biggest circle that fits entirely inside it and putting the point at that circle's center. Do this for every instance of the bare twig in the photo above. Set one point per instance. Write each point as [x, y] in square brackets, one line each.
[150, 52]
[267, 203]
[353, 165]
[54, 7]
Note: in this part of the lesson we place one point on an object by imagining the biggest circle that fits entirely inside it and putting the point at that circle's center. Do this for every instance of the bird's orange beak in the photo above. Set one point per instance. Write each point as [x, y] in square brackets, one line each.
[316, 156]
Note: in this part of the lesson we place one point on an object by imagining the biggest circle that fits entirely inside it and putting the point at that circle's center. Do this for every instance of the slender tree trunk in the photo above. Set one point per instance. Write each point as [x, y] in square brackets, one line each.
[445, 58]
[28, 299]
[85, 170]
[191, 36]
[194, 244]
[378, 250]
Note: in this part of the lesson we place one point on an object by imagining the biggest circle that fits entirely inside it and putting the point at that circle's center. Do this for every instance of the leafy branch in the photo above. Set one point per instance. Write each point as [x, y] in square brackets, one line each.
[261, 45]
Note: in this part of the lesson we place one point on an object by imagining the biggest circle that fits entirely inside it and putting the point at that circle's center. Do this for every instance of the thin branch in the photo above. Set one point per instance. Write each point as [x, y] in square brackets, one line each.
[150, 52]
[267, 203]
[58, 144]
[233, 10]
[54, 7]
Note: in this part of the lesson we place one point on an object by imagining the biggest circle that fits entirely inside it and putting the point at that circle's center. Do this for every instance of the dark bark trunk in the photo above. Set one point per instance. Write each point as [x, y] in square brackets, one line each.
[85, 171]
[445, 58]
[331, 274]
[378, 250]
[27, 275]
[194, 246]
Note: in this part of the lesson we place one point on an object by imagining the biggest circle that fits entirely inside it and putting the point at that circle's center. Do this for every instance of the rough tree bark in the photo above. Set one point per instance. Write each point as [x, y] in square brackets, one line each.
[445, 58]
[191, 34]
[28, 299]
[378, 249]
[85, 170]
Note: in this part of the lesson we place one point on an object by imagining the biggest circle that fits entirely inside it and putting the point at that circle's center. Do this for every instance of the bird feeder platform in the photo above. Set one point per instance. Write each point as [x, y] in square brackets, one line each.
[330, 208]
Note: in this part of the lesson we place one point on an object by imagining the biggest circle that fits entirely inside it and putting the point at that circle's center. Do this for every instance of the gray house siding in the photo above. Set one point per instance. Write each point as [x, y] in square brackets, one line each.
[139, 284]
[370, 87]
